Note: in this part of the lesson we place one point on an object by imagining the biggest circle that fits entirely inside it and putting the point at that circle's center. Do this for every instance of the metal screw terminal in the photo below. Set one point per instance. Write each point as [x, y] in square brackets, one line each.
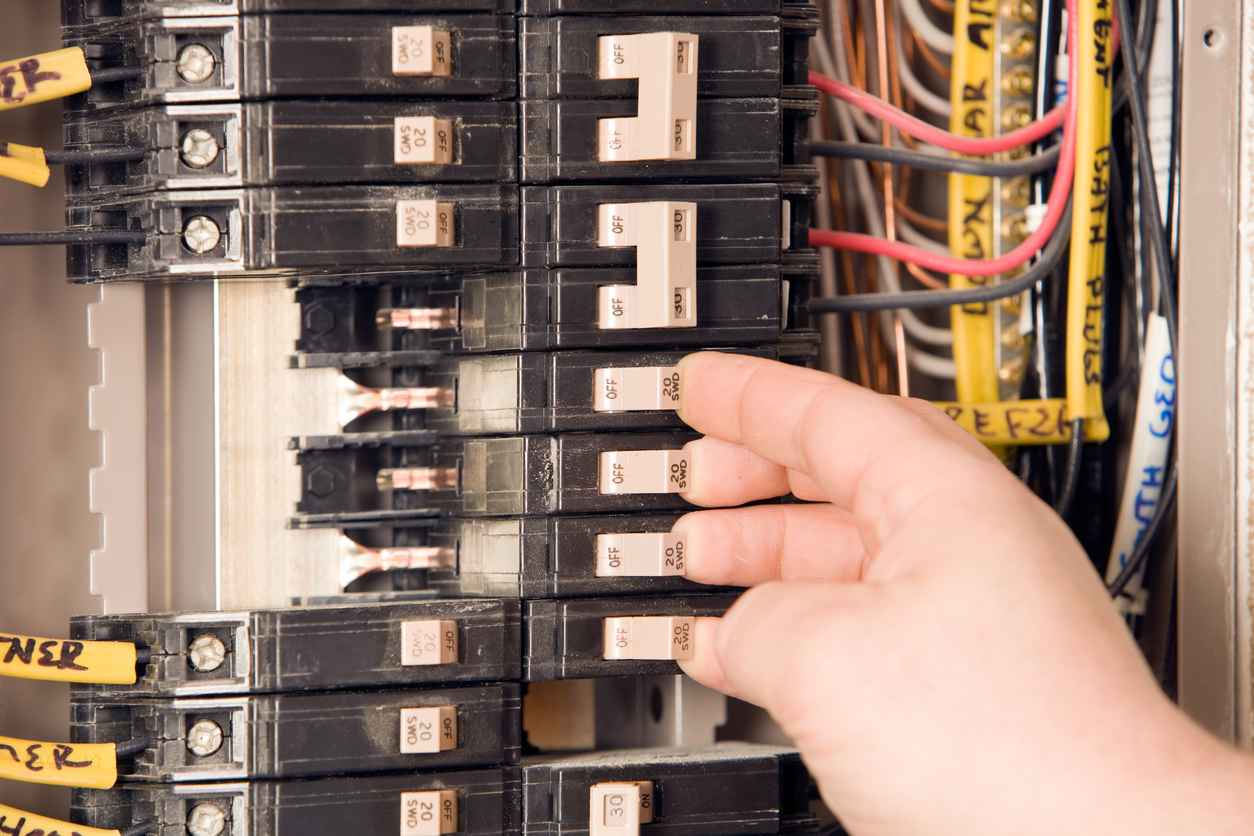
[204, 738]
[201, 234]
[206, 820]
[207, 653]
[195, 64]
[200, 148]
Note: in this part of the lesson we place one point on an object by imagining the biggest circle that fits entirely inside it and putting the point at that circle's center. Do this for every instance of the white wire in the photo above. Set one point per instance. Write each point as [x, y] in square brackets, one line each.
[932, 35]
[929, 364]
[926, 98]
[912, 235]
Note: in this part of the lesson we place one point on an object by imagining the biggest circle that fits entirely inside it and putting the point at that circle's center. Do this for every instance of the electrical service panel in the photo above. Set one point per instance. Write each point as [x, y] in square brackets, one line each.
[498, 227]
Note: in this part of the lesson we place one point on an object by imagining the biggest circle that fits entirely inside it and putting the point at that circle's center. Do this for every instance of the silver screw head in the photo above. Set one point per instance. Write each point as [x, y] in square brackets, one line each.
[206, 820]
[201, 234]
[195, 64]
[199, 148]
[207, 653]
[204, 738]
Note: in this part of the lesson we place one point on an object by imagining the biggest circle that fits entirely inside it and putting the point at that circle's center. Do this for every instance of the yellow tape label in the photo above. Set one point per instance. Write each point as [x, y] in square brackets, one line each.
[1020, 423]
[64, 660]
[24, 164]
[14, 822]
[1087, 267]
[42, 78]
[971, 198]
[91, 765]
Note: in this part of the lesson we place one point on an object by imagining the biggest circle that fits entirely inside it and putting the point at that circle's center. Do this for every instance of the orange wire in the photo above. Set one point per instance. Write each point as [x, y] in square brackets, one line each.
[933, 61]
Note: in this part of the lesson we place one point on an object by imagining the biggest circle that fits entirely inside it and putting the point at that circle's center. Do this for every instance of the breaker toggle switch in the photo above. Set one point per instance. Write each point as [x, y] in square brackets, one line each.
[649, 637]
[638, 389]
[640, 555]
[644, 472]
[664, 235]
[665, 127]
[618, 808]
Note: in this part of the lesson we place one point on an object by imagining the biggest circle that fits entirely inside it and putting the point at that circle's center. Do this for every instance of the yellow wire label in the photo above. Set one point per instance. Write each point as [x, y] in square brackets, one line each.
[971, 198]
[42, 78]
[1087, 268]
[63, 660]
[14, 822]
[90, 765]
[1019, 423]
[24, 164]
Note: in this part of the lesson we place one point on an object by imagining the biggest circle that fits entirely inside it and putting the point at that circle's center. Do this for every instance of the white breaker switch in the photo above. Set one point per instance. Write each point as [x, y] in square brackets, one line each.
[426, 731]
[424, 223]
[421, 51]
[666, 124]
[429, 813]
[664, 235]
[640, 555]
[428, 643]
[618, 808]
[644, 472]
[635, 389]
[422, 140]
[649, 637]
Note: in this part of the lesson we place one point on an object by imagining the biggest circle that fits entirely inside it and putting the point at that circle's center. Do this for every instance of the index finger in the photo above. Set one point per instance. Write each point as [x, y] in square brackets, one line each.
[870, 453]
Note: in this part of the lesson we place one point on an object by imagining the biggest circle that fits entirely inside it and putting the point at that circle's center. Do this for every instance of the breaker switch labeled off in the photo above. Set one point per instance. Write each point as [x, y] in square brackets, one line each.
[641, 389]
[640, 555]
[618, 808]
[644, 472]
[425, 223]
[429, 643]
[421, 51]
[422, 140]
[664, 235]
[426, 731]
[665, 127]
[649, 638]
[428, 813]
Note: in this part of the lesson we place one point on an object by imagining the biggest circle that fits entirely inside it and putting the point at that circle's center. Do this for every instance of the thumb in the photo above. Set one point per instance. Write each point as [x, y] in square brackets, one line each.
[777, 645]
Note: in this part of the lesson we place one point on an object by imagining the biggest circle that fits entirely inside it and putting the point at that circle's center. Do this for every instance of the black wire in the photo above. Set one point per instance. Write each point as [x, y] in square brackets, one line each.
[1044, 267]
[103, 155]
[1140, 554]
[1035, 164]
[116, 74]
[1071, 470]
[132, 748]
[70, 237]
[1148, 195]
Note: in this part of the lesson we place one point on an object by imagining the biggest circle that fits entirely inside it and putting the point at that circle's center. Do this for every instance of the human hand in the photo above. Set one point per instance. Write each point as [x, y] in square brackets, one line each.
[929, 633]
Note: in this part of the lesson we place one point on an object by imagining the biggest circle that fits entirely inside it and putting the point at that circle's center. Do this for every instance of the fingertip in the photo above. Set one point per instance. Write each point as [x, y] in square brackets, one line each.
[725, 474]
[704, 666]
[694, 533]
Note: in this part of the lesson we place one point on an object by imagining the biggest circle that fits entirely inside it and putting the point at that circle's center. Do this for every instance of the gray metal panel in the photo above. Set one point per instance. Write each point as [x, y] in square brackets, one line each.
[1208, 677]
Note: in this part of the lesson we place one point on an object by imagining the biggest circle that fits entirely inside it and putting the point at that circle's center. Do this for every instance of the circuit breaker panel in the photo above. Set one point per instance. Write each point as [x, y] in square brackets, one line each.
[492, 229]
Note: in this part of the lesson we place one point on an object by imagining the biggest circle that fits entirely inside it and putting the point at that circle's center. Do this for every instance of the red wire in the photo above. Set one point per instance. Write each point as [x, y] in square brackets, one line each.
[904, 122]
[1055, 208]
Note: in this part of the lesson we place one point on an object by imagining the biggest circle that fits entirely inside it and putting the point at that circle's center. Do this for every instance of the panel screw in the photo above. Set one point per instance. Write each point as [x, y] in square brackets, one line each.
[204, 738]
[195, 64]
[200, 148]
[201, 234]
[206, 820]
[207, 653]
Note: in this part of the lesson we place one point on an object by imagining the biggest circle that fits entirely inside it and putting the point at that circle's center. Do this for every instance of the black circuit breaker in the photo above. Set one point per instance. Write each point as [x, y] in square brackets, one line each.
[503, 224]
